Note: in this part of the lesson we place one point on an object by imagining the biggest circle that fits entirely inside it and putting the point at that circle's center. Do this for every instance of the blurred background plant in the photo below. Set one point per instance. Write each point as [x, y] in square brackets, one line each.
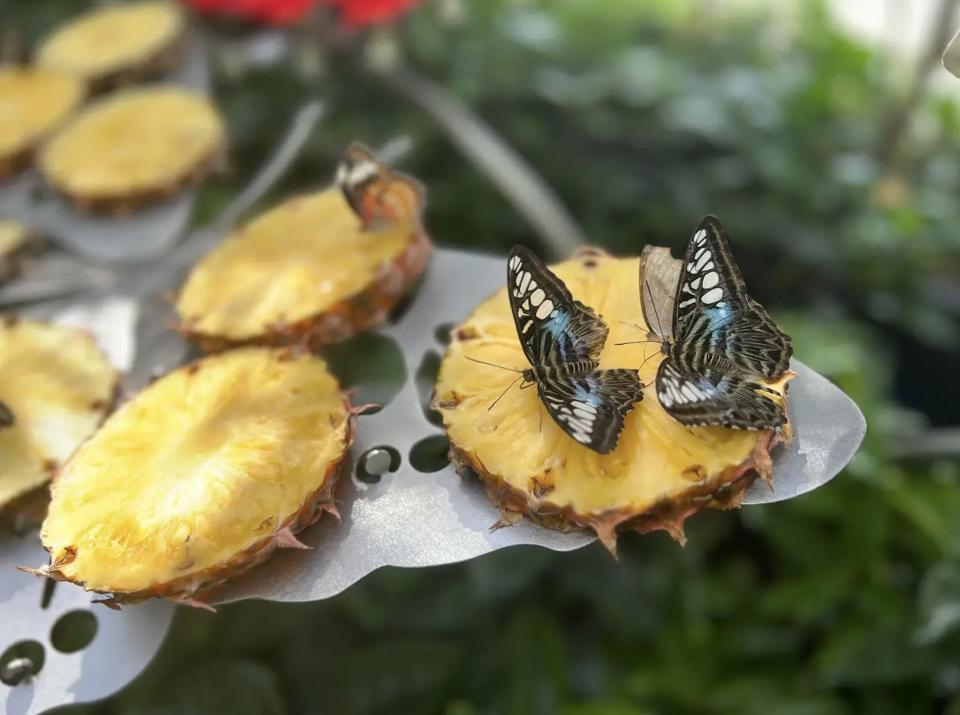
[833, 163]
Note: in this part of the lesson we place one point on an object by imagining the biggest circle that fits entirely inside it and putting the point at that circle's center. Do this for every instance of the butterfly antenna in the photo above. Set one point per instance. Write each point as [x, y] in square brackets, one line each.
[492, 364]
[653, 304]
[638, 342]
[646, 360]
[504, 393]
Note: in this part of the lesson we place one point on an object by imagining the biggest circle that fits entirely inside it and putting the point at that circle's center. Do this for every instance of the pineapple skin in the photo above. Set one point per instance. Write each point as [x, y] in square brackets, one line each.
[194, 587]
[347, 315]
[80, 162]
[153, 44]
[703, 473]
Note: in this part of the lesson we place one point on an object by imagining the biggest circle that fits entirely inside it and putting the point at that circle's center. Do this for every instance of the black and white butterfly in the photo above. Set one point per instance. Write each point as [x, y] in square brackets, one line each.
[562, 338]
[721, 347]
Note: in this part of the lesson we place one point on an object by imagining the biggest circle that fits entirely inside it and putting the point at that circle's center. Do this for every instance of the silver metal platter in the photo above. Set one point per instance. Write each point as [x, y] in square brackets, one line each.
[410, 517]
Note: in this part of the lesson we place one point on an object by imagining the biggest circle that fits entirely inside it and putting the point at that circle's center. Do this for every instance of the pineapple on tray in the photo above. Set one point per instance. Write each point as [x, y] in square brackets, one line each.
[200, 476]
[134, 147]
[316, 269]
[55, 390]
[33, 103]
[618, 430]
[117, 44]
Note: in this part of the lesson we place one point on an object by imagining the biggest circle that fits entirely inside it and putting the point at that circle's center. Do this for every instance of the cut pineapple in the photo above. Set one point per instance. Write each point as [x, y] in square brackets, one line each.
[115, 45]
[32, 103]
[15, 239]
[200, 476]
[134, 147]
[305, 272]
[55, 388]
[660, 472]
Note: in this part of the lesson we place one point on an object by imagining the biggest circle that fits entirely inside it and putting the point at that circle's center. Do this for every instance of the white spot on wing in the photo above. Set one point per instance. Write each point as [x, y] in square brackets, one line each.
[712, 296]
[546, 307]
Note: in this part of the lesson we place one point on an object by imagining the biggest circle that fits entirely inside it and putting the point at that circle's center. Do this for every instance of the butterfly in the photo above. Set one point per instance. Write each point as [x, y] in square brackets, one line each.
[562, 339]
[721, 346]
[378, 195]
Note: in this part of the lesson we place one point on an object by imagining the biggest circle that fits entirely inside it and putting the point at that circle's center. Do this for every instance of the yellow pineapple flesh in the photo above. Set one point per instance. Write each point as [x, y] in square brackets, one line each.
[15, 238]
[56, 386]
[117, 43]
[305, 271]
[33, 102]
[134, 147]
[200, 476]
[660, 472]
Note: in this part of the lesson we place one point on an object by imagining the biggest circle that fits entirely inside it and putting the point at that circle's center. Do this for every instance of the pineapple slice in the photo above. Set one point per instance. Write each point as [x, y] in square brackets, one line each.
[134, 147]
[116, 45]
[200, 476]
[305, 271]
[56, 389]
[15, 239]
[660, 472]
[32, 103]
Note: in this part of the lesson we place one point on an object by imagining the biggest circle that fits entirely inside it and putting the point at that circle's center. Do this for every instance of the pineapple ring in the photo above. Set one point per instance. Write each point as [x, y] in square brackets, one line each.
[660, 472]
[111, 45]
[32, 103]
[134, 147]
[200, 476]
[58, 387]
[304, 271]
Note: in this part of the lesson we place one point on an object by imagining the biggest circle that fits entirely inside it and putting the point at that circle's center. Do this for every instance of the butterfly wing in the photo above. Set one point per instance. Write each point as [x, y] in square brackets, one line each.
[591, 408]
[711, 397]
[713, 315]
[659, 276]
[378, 195]
[554, 329]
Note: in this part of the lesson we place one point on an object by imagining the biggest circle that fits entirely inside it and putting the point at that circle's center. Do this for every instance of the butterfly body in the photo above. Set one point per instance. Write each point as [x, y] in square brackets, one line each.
[562, 339]
[722, 347]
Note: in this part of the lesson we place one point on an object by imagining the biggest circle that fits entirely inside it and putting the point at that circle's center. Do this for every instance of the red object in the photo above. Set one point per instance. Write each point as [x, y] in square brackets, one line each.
[360, 13]
[271, 12]
[354, 14]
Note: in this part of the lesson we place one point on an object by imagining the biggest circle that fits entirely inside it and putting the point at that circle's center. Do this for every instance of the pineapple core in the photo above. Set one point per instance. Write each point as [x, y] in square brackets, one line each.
[195, 475]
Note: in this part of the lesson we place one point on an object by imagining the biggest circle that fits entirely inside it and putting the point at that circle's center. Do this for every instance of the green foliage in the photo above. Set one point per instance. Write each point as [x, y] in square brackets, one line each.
[643, 116]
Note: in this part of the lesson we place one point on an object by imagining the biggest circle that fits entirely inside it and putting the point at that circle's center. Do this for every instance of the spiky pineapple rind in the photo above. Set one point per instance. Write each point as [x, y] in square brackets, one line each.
[719, 491]
[355, 314]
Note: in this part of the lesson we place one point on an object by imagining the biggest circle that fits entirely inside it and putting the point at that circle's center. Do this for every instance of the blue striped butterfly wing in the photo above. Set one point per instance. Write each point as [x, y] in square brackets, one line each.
[714, 316]
[554, 329]
[591, 407]
[725, 343]
[712, 397]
